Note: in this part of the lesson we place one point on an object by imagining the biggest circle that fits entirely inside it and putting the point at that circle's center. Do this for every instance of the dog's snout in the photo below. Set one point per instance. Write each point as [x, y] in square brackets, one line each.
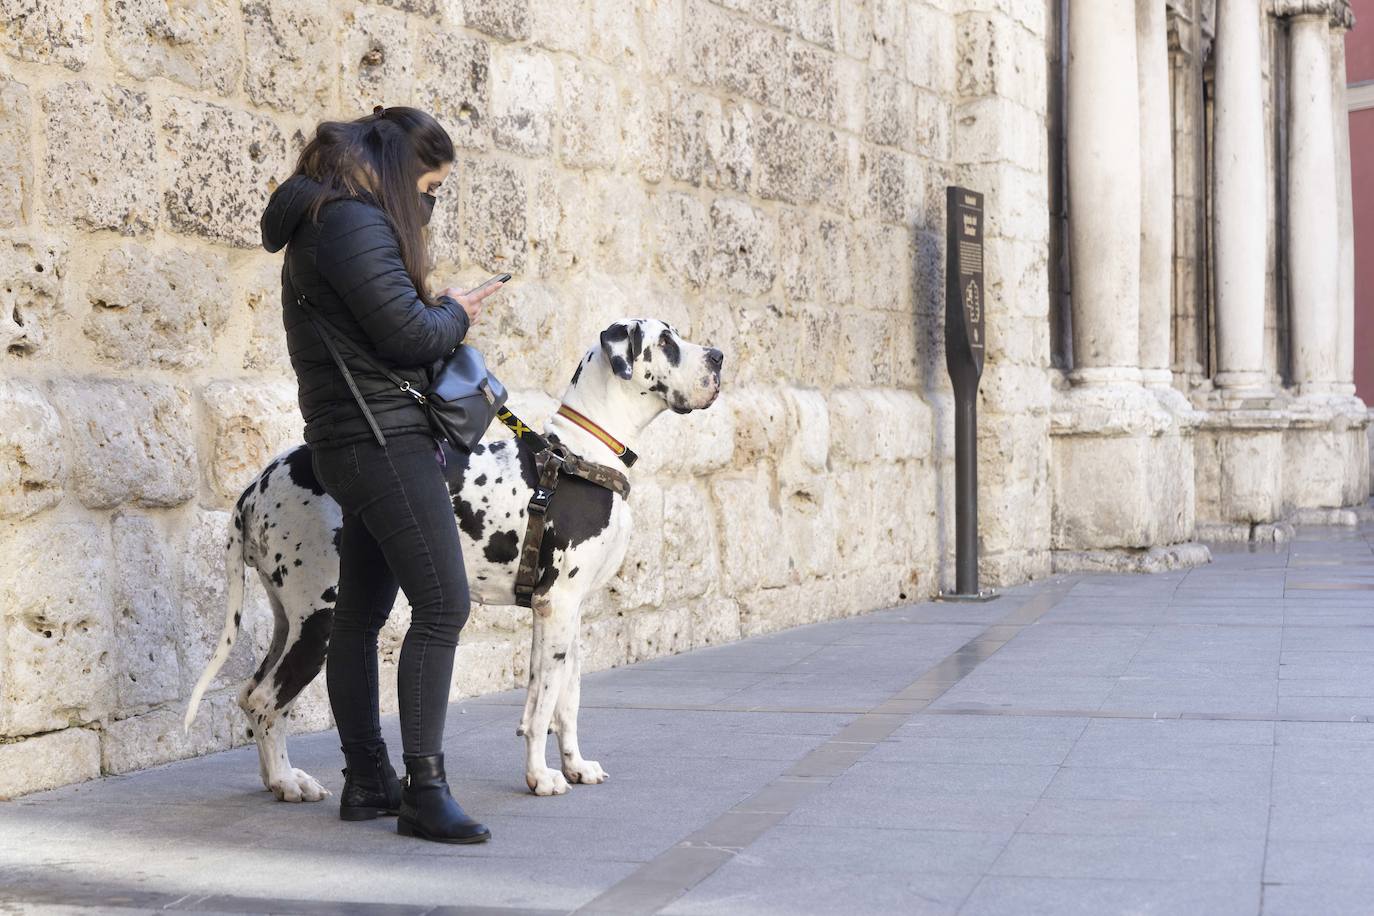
[715, 358]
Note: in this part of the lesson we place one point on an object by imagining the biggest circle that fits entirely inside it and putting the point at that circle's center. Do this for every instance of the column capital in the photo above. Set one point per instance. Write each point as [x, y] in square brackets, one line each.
[1337, 12]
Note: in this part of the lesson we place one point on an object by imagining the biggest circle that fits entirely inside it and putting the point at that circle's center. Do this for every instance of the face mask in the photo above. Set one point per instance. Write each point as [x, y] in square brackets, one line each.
[427, 205]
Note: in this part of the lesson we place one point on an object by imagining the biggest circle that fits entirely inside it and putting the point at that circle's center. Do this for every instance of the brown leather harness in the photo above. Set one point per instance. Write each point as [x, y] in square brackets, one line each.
[551, 461]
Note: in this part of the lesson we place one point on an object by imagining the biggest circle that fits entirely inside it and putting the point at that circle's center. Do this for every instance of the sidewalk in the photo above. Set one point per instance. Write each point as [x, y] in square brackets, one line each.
[1191, 742]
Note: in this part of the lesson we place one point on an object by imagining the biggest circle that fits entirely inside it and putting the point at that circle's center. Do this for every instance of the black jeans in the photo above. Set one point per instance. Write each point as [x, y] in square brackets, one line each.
[399, 530]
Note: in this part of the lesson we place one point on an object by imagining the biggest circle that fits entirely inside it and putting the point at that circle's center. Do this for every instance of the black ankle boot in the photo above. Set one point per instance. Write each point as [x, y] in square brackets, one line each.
[370, 785]
[428, 811]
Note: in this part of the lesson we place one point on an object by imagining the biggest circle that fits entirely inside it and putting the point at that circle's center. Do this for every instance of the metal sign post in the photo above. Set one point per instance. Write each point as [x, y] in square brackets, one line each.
[964, 307]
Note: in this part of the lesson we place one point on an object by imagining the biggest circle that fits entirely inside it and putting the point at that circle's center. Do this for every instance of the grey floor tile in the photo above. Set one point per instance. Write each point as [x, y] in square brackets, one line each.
[1000, 896]
[1157, 785]
[1236, 860]
[1320, 864]
[739, 890]
[1162, 755]
[1307, 899]
[1162, 820]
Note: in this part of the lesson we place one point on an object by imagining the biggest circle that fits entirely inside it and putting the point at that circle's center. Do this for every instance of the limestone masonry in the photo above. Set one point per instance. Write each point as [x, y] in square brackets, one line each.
[768, 176]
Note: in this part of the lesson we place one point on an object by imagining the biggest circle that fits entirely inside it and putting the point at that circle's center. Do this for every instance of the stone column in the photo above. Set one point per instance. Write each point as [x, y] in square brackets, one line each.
[1345, 211]
[1103, 128]
[1239, 229]
[1156, 192]
[1313, 240]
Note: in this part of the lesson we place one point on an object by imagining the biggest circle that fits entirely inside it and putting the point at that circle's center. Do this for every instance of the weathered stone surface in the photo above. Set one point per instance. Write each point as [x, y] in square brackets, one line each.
[744, 243]
[589, 103]
[559, 26]
[376, 59]
[55, 595]
[32, 470]
[267, 338]
[689, 542]
[798, 162]
[147, 638]
[48, 31]
[248, 424]
[16, 168]
[639, 582]
[508, 19]
[140, 741]
[524, 99]
[454, 86]
[812, 88]
[199, 576]
[33, 267]
[726, 51]
[100, 167]
[754, 497]
[160, 309]
[659, 632]
[493, 207]
[681, 234]
[128, 441]
[221, 163]
[197, 44]
[287, 67]
[48, 761]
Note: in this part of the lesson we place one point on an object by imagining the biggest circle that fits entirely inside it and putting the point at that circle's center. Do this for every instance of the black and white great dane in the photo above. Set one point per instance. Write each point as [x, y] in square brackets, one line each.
[287, 528]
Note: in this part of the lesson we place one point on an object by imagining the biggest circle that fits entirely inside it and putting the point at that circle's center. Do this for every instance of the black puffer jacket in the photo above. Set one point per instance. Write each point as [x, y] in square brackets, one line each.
[349, 267]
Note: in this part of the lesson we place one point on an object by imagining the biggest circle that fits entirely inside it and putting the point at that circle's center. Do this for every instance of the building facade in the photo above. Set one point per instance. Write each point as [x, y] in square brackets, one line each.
[1169, 268]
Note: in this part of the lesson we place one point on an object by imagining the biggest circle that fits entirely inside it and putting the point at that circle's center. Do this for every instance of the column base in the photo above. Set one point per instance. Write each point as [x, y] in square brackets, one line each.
[1239, 458]
[1121, 473]
[1267, 533]
[1326, 453]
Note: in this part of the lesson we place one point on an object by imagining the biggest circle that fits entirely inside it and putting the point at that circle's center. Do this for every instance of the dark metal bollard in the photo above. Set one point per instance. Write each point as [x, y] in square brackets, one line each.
[964, 305]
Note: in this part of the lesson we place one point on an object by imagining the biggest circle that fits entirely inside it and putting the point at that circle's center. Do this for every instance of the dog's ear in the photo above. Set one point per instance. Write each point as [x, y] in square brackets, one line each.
[621, 342]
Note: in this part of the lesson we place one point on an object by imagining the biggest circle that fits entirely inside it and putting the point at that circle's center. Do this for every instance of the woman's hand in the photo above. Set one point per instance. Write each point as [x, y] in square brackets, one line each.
[471, 301]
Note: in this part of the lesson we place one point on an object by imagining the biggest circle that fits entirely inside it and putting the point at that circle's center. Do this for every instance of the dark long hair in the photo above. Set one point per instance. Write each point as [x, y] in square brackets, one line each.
[381, 155]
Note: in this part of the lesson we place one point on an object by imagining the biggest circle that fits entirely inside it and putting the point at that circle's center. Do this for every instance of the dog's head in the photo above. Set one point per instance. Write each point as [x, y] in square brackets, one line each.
[653, 357]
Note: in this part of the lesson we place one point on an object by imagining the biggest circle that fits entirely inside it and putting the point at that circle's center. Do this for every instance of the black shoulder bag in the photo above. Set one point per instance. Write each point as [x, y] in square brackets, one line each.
[460, 403]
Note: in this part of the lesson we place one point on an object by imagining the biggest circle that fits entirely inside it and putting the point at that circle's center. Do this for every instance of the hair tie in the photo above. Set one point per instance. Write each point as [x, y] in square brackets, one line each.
[377, 109]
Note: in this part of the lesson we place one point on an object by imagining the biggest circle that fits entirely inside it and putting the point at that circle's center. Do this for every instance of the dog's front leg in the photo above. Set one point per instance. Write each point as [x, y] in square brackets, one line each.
[575, 767]
[554, 629]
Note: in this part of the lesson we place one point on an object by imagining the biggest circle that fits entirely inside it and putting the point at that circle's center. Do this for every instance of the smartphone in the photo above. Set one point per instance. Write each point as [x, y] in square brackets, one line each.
[499, 278]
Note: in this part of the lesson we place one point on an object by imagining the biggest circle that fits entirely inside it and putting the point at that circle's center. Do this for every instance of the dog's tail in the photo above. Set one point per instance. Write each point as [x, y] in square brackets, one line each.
[234, 570]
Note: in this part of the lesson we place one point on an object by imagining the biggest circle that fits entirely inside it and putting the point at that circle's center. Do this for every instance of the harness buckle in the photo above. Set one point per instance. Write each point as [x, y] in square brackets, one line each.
[539, 502]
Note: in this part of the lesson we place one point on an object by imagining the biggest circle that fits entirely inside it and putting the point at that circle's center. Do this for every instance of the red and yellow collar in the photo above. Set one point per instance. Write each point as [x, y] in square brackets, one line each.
[621, 450]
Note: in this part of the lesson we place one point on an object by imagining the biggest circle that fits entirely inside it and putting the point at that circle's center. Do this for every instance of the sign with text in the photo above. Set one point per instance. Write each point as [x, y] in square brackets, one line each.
[964, 299]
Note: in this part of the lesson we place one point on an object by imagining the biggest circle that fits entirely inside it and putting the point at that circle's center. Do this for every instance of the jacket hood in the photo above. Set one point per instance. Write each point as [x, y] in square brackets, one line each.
[285, 209]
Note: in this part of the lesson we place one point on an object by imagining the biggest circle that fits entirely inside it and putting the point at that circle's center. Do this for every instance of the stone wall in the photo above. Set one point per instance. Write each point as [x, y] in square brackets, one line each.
[768, 175]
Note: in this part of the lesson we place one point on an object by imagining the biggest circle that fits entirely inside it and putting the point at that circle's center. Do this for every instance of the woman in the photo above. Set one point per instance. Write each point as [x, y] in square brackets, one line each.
[350, 218]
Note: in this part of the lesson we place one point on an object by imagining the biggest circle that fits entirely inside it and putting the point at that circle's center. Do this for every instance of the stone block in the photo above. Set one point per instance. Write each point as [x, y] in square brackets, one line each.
[483, 666]
[590, 106]
[681, 234]
[614, 36]
[32, 463]
[661, 25]
[524, 99]
[100, 165]
[48, 761]
[884, 115]
[872, 244]
[889, 47]
[744, 242]
[221, 163]
[931, 52]
[147, 637]
[997, 58]
[995, 129]
[376, 59]
[693, 444]
[138, 742]
[645, 119]
[885, 425]
[691, 118]
[34, 268]
[286, 68]
[262, 293]
[812, 85]
[640, 581]
[420, 7]
[560, 26]
[200, 578]
[760, 421]
[932, 127]
[603, 644]
[493, 208]
[454, 86]
[1021, 213]
[659, 631]
[248, 423]
[768, 610]
[854, 33]
[730, 53]
[159, 309]
[806, 450]
[55, 600]
[507, 19]
[48, 31]
[130, 442]
[730, 149]
[890, 186]
[749, 519]
[196, 44]
[1315, 456]
[16, 168]
[689, 542]
[1239, 470]
[714, 621]
[798, 162]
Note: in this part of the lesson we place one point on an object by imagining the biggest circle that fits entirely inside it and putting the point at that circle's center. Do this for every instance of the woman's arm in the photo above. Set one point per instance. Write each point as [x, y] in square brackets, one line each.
[360, 257]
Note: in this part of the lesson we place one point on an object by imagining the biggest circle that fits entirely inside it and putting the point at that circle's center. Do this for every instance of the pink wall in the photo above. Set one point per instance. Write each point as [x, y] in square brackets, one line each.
[1359, 67]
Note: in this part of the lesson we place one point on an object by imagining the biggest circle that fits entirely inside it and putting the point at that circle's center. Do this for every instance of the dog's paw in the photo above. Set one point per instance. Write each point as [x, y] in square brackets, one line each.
[546, 782]
[298, 786]
[587, 772]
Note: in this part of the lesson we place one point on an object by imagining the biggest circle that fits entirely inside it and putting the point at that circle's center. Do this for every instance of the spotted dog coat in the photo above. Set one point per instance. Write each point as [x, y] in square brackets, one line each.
[287, 528]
